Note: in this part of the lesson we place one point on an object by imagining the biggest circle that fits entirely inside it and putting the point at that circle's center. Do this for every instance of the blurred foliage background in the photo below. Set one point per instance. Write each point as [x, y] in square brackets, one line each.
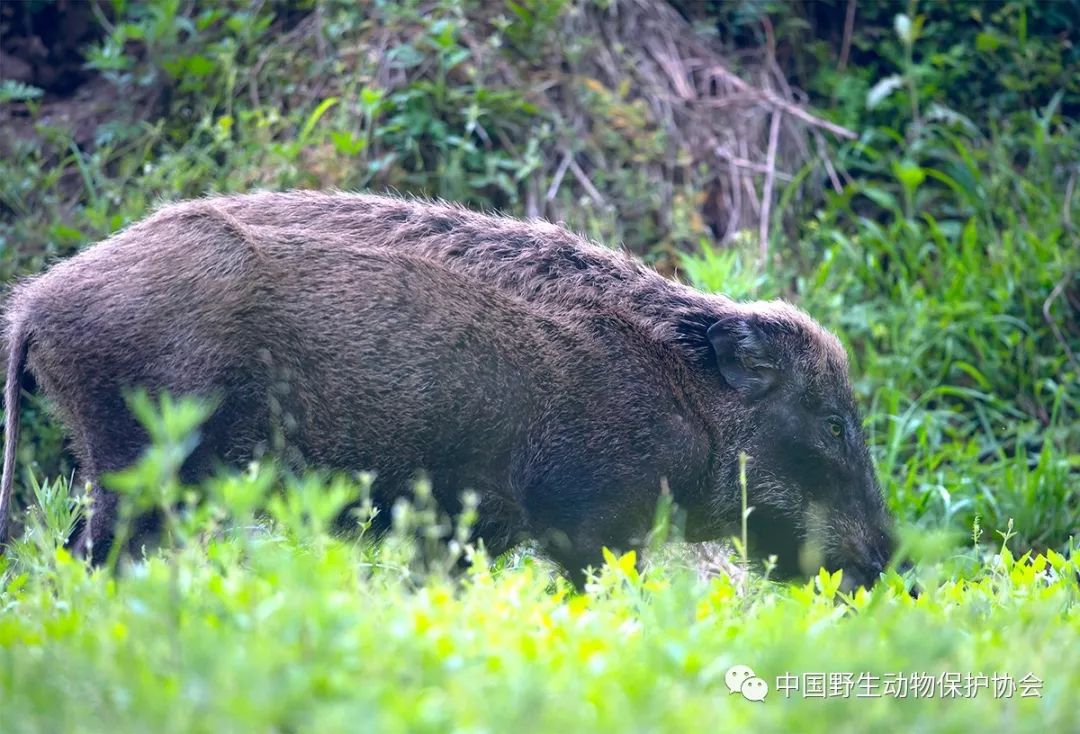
[904, 171]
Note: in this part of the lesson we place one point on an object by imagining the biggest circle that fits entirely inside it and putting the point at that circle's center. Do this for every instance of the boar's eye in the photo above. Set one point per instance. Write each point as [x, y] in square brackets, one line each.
[835, 426]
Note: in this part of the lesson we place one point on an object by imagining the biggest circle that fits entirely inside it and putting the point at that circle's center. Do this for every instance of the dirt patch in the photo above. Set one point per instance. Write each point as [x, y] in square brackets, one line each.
[42, 44]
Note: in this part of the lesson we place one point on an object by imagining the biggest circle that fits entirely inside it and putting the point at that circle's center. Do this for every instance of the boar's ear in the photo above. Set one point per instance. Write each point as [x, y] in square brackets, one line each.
[743, 355]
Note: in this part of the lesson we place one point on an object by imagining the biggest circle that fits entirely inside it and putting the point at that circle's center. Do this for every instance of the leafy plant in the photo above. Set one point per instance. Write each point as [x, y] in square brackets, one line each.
[262, 627]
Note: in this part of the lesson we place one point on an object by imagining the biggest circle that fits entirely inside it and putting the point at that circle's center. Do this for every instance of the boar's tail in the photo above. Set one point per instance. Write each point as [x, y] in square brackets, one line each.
[18, 342]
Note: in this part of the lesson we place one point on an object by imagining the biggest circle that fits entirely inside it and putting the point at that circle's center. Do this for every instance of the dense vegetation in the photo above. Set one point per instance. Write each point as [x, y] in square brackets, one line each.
[939, 242]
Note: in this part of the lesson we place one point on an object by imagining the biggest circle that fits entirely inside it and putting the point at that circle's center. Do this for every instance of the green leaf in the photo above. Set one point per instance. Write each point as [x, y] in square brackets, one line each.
[346, 143]
[13, 91]
[970, 235]
[909, 173]
[313, 119]
[987, 42]
[199, 66]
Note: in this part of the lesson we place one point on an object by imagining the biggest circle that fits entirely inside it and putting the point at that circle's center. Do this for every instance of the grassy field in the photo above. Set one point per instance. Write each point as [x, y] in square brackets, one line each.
[269, 624]
[940, 244]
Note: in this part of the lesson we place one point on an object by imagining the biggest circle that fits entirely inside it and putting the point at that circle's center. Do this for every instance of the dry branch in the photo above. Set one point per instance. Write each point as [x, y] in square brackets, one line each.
[766, 194]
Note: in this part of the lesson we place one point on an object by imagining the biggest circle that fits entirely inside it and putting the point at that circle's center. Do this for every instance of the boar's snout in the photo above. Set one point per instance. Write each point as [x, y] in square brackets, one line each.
[864, 563]
[853, 532]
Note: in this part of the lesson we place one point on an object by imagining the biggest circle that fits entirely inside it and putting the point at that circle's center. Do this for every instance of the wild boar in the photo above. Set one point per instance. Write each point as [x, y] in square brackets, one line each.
[565, 387]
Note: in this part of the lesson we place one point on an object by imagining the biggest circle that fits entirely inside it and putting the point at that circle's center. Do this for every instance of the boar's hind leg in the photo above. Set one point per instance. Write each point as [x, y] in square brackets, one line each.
[106, 443]
[118, 441]
[95, 539]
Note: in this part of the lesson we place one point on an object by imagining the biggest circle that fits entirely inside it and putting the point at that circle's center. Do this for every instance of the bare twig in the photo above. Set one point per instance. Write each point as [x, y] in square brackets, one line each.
[560, 172]
[668, 60]
[770, 39]
[1057, 291]
[796, 111]
[532, 199]
[823, 153]
[748, 183]
[586, 184]
[769, 96]
[101, 17]
[253, 78]
[718, 72]
[320, 40]
[766, 194]
[736, 204]
[849, 29]
[738, 162]
[734, 100]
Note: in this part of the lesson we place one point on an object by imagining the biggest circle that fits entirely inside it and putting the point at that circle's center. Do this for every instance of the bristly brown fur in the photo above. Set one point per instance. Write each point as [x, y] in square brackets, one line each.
[562, 381]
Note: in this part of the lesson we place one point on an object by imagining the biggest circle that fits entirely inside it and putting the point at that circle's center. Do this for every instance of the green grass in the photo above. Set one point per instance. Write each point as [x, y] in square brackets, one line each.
[261, 622]
[302, 638]
[937, 264]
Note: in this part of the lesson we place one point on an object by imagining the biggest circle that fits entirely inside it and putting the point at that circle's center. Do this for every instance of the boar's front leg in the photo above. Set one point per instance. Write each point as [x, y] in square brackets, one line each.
[583, 547]
[575, 521]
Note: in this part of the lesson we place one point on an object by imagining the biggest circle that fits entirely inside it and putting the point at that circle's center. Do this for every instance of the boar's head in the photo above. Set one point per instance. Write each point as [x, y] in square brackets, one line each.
[789, 407]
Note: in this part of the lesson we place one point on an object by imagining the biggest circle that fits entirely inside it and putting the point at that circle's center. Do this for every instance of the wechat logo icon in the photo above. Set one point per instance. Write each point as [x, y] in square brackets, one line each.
[741, 679]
